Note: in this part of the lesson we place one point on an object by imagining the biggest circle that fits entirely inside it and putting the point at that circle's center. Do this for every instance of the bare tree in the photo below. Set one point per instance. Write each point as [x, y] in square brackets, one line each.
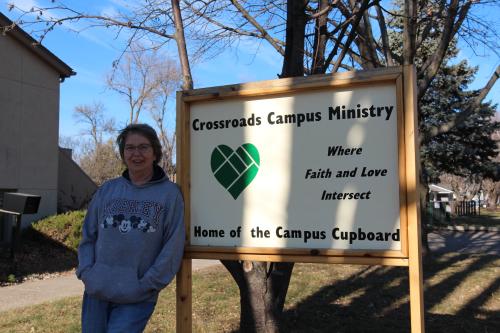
[169, 81]
[70, 142]
[465, 188]
[492, 193]
[167, 140]
[92, 116]
[328, 36]
[97, 156]
[146, 78]
[157, 21]
[135, 77]
[353, 34]
[101, 162]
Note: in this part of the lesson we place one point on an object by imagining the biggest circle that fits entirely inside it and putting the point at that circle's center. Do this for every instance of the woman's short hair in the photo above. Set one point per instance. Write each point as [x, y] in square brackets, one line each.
[146, 131]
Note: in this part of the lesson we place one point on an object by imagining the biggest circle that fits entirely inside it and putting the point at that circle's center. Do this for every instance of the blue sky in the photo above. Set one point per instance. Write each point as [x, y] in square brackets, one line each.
[91, 53]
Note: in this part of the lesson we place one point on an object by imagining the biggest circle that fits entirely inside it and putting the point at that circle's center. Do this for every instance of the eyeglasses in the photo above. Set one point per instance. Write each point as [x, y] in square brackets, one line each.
[144, 148]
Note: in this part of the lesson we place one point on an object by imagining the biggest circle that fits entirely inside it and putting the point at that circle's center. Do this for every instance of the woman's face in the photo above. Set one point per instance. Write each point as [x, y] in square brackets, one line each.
[138, 154]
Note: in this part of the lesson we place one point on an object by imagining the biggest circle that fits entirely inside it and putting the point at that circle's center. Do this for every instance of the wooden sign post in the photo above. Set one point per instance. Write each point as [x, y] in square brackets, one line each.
[320, 169]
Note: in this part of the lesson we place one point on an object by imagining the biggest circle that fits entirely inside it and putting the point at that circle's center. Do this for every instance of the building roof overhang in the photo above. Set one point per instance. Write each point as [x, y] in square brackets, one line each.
[9, 28]
[439, 189]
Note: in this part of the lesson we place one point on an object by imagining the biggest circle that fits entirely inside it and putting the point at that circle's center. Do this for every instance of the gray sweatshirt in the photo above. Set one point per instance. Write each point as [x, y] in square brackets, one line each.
[132, 240]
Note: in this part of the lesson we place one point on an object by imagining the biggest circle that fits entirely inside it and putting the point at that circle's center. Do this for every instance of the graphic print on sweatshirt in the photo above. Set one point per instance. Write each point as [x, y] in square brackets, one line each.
[127, 215]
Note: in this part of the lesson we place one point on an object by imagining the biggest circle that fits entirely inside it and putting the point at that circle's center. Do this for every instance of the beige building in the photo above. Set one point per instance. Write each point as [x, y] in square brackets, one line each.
[30, 158]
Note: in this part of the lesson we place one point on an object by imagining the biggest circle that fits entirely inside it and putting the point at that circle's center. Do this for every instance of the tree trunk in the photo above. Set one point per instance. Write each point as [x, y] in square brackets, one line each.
[409, 31]
[492, 195]
[296, 19]
[320, 39]
[409, 51]
[263, 285]
[187, 78]
[424, 200]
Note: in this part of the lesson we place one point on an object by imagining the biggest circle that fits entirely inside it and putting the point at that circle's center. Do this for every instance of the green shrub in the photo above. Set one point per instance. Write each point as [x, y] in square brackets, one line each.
[65, 228]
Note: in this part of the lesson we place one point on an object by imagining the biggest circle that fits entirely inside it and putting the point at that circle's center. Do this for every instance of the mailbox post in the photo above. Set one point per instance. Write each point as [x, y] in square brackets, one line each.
[15, 205]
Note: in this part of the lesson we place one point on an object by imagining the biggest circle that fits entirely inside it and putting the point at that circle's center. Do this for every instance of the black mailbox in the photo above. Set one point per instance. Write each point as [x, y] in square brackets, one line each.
[21, 203]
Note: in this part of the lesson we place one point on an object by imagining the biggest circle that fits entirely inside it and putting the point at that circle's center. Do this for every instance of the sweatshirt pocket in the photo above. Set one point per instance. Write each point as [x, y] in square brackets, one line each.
[116, 284]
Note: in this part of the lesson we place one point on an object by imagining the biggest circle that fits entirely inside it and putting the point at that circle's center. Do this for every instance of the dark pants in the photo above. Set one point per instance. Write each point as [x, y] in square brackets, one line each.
[106, 317]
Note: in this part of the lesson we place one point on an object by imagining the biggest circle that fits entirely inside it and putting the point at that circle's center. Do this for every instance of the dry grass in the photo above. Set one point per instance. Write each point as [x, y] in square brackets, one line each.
[462, 294]
[487, 218]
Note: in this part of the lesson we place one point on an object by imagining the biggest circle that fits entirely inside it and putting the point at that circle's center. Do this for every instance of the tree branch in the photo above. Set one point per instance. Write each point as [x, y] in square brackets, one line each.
[257, 26]
[431, 66]
[358, 15]
[459, 118]
[385, 39]
[365, 26]
[323, 11]
[430, 17]
[222, 26]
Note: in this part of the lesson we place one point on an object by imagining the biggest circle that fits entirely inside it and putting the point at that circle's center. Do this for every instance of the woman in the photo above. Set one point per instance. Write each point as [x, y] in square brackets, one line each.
[132, 238]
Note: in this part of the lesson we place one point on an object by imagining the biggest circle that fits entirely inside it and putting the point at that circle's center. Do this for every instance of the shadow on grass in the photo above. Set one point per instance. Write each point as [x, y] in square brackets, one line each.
[485, 219]
[36, 254]
[376, 300]
[445, 241]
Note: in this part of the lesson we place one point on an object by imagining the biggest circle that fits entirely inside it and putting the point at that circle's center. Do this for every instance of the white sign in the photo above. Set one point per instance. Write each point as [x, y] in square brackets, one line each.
[316, 169]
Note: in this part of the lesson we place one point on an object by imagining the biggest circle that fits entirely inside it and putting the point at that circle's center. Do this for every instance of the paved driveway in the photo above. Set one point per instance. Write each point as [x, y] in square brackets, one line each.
[39, 291]
[480, 242]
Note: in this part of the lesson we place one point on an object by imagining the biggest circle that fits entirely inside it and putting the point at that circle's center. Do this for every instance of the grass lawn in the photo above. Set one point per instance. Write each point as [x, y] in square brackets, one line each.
[488, 218]
[462, 294]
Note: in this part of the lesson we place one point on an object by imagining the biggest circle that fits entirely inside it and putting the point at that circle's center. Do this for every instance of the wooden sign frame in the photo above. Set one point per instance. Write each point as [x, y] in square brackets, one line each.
[404, 79]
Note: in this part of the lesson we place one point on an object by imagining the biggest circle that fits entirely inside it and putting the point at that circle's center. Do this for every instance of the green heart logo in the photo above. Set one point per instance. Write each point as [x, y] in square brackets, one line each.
[235, 170]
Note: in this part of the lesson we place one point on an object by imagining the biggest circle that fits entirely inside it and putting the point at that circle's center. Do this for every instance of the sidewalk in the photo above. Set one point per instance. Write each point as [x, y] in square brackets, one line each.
[40, 291]
[52, 289]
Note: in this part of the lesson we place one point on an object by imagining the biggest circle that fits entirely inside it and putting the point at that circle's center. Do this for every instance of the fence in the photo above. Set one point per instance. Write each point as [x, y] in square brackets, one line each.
[466, 208]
